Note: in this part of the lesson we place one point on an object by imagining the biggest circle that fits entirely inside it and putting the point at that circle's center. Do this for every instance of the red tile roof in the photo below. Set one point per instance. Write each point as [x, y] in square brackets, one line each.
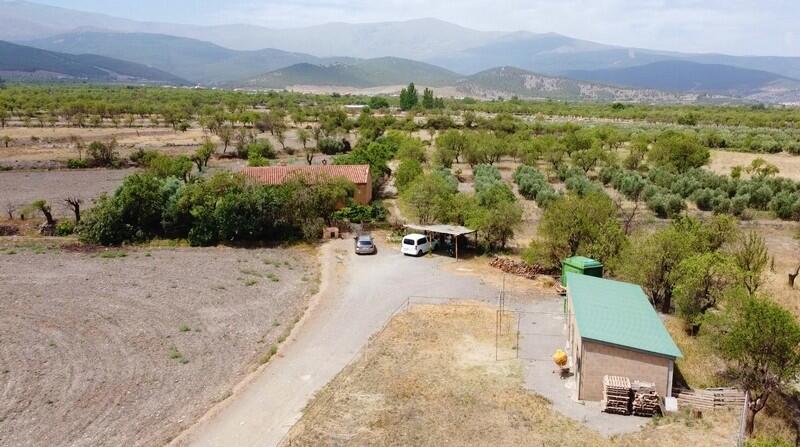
[277, 175]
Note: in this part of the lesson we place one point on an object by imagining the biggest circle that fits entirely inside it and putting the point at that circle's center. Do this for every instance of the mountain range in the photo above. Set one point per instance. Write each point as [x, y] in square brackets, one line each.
[19, 62]
[429, 51]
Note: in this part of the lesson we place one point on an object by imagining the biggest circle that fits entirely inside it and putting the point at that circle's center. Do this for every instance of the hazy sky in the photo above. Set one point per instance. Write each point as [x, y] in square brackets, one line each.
[766, 27]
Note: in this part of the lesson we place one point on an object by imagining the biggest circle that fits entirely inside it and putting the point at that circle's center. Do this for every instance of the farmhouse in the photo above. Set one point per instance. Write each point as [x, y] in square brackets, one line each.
[614, 330]
[359, 175]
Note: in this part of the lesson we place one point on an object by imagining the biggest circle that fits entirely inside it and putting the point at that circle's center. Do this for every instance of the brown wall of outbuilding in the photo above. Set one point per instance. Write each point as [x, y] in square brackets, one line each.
[600, 359]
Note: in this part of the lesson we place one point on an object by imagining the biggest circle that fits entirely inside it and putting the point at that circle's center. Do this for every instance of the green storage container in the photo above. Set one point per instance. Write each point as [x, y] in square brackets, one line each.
[581, 265]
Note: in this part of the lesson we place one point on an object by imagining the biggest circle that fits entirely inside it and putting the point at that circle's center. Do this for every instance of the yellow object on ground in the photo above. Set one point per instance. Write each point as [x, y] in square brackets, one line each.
[560, 357]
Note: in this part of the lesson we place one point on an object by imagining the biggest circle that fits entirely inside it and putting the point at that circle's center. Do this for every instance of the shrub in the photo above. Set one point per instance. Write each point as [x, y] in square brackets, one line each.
[531, 182]
[104, 224]
[65, 228]
[581, 185]
[666, 205]
[361, 213]
[704, 198]
[261, 149]
[739, 204]
[721, 205]
[485, 177]
[546, 197]
[785, 205]
[163, 166]
[104, 155]
[330, 146]
[142, 157]
[74, 163]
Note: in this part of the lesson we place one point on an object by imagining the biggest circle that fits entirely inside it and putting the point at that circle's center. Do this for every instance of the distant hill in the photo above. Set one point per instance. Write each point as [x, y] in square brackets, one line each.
[235, 50]
[509, 81]
[18, 62]
[367, 73]
[677, 75]
[199, 61]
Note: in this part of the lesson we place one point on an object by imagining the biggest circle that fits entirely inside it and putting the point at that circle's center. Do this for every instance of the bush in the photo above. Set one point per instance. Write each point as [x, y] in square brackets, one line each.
[362, 213]
[485, 177]
[666, 205]
[330, 146]
[261, 149]
[581, 185]
[546, 197]
[104, 224]
[785, 205]
[142, 157]
[104, 155]
[531, 182]
[65, 228]
[74, 163]
[163, 166]
[739, 204]
[704, 198]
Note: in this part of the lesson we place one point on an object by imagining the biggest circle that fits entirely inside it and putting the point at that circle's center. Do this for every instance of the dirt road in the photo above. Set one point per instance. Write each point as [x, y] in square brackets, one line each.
[357, 296]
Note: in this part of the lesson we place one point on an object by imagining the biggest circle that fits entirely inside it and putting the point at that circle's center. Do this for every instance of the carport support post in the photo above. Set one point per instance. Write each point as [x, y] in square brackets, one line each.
[456, 238]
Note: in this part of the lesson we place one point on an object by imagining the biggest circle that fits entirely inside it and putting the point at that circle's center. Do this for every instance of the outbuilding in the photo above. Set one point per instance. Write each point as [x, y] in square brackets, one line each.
[614, 330]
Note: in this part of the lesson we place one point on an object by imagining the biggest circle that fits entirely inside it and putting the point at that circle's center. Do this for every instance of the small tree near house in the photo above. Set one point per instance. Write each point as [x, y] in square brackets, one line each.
[760, 341]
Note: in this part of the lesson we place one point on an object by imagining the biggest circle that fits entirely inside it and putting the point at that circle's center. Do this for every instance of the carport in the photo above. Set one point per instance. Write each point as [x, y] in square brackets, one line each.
[456, 231]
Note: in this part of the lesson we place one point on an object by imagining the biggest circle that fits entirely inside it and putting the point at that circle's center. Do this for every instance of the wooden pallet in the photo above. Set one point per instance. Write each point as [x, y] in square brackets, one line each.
[710, 398]
[645, 399]
[616, 395]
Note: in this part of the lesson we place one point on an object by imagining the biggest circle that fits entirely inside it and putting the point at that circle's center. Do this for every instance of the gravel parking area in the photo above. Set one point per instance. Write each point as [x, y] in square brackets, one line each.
[115, 348]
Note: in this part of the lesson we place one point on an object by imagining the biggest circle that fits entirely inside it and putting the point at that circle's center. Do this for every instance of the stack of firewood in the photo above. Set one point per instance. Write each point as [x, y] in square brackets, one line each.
[616, 395]
[516, 267]
[645, 399]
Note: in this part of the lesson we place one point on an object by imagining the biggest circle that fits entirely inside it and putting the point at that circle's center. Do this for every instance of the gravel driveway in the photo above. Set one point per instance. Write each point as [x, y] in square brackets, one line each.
[357, 296]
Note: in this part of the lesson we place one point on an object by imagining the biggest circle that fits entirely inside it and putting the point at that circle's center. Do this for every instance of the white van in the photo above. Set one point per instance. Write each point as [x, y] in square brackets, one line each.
[417, 244]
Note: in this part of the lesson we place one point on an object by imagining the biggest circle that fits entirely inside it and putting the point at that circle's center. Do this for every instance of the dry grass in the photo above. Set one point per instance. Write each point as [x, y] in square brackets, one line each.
[431, 379]
[723, 161]
[699, 367]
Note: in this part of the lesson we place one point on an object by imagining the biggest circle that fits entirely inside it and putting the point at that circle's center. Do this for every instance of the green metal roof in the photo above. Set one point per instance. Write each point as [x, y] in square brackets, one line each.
[582, 262]
[618, 313]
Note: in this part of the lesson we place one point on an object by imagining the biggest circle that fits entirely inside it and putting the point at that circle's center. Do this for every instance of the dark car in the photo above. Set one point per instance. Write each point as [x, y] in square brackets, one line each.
[365, 245]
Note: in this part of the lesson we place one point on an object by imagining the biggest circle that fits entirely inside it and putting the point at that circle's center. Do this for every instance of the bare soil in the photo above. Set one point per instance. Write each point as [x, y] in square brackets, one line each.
[430, 378]
[50, 148]
[109, 348]
[20, 188]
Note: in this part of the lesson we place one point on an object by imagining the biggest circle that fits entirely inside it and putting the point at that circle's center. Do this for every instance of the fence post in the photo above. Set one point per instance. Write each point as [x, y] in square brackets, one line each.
[740, 439]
